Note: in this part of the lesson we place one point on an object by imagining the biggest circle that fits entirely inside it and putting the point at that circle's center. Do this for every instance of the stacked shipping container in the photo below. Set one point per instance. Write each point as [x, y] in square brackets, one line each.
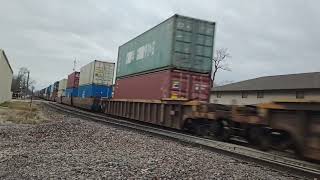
[171, 60]
[167, 84]
[48, 92]
[73, 84]
[62, 87]
[51, 91]
[61, 90]
[96, 79]
[55, 91]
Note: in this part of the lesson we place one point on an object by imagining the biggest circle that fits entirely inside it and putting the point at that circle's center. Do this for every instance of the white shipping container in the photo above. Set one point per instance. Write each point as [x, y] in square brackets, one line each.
[62, 84]
[97, 72]
[61, 92]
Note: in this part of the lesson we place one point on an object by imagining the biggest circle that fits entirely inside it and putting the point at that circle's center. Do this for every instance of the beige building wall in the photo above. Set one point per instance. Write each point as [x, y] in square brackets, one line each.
[235, 97]
[5, 79]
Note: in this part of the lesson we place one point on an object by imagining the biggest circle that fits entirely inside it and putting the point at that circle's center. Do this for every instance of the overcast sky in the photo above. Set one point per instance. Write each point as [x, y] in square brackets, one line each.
[264, 37]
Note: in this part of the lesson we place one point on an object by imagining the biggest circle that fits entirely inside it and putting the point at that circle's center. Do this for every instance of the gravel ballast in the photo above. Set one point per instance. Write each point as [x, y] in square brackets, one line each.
[72, 148]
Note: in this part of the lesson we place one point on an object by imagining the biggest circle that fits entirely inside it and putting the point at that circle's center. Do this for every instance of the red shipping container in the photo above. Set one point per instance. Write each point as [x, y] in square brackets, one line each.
[167, 84]
[73, 80]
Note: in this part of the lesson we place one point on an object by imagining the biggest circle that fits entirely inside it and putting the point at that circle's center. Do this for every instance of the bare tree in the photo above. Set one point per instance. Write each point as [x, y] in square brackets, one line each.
[21, 83]
[220, 62]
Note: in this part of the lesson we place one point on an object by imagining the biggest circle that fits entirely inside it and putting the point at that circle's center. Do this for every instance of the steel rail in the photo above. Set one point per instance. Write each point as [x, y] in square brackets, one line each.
[298, 167]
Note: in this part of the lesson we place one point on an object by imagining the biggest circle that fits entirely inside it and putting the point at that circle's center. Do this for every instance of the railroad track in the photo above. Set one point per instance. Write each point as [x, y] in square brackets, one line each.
[294, 166]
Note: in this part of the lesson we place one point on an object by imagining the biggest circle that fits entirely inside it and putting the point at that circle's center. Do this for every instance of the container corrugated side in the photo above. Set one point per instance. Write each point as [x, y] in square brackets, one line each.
[48, 90]
[61, 93]
[63, 84]
[87, 103]
[179, 42]
[93, 90]
[73, 80]
[52, 88]
[71, 92]
[167, 84]
[97, 72]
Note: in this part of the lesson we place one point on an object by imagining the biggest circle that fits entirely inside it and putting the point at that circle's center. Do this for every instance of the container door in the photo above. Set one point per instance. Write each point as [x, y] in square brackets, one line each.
[200, 87]
[180, 85]
[193, 45]
[103, 73]
[203, 47]
[183, 45]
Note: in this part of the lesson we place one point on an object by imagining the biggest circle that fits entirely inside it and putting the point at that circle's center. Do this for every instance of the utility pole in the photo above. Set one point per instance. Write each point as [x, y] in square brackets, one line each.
[26, 93]
[32, 88]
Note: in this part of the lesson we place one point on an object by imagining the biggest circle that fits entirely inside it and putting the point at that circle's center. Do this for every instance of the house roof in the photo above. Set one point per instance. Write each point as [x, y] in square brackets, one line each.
[5, 57]
[279, 82]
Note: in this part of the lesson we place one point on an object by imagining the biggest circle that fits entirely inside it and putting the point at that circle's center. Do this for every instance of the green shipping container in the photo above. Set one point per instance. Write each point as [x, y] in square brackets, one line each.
[179, 42]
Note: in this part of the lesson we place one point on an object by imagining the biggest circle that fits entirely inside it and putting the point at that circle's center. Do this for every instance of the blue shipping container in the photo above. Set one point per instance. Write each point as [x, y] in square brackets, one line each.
[71, 92]
[49, 90]
[93, 90]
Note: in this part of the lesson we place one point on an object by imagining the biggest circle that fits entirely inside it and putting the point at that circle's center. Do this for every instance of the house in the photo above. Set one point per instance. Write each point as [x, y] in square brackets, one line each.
[291, 87]
[6, 75]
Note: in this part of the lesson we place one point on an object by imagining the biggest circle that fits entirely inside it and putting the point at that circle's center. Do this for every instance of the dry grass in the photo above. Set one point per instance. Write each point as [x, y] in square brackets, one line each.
[20, 113]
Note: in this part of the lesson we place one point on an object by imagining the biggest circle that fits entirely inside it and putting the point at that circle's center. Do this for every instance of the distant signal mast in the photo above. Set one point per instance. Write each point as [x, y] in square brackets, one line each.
[74, 65]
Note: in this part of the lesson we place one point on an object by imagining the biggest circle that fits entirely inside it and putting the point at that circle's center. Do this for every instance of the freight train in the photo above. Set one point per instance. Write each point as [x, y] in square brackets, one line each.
[163, 78]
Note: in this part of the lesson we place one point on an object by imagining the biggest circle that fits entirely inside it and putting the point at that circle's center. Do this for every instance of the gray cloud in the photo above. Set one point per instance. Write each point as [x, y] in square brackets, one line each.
[264, 37]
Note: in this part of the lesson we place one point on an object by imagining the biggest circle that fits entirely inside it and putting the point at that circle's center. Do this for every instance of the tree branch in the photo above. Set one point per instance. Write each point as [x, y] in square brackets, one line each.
[220, 61]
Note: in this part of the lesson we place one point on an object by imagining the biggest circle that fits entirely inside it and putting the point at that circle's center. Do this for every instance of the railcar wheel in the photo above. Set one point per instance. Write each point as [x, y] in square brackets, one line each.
[264, 143]
[221, 130]
[216, 128]
[201, 130]
[226, 133]
[298, 150]
[259, 137]
[188, 125]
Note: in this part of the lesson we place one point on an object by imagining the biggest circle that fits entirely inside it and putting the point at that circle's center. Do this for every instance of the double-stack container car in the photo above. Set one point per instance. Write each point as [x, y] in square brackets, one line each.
[72, 88]
[62, 89]
[283, 125]
[42, 92]
[55, 91]
[51, 91]
[73, 80]
[48, 92]
[163, 78]
[95, 83]
[179, 43]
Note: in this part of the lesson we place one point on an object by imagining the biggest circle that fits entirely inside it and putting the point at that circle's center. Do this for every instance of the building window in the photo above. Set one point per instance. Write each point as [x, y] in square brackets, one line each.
[300, 94]
[260, 94]
[244, 94]
[219, 95]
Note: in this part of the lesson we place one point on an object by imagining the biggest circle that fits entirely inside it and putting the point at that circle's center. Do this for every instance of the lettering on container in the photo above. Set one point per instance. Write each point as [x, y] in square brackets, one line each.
[144, 51]
[130, 57]
[103, 75]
